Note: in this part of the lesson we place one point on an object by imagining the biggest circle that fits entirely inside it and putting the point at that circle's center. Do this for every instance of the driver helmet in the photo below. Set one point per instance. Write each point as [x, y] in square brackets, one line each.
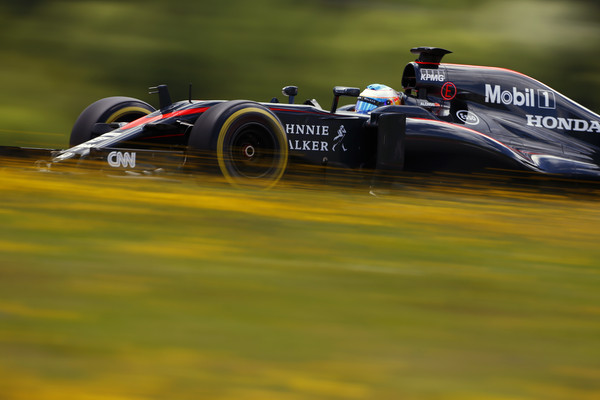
[376, 95]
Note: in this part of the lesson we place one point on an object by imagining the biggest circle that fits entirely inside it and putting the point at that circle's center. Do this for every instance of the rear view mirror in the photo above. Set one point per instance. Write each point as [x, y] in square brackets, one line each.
[346, 91]
[290, 92]
[343, 91]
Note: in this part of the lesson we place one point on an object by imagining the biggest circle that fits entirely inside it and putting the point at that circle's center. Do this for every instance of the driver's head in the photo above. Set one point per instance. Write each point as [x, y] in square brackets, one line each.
[376, 95]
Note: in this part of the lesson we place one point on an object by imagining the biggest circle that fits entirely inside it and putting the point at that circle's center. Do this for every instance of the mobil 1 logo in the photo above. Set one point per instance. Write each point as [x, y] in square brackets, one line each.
[528, 97]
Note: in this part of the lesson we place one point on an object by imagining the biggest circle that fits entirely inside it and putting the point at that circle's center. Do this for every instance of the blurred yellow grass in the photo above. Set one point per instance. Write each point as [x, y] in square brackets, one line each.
[578, 217]
[25, 311]
[125, 288]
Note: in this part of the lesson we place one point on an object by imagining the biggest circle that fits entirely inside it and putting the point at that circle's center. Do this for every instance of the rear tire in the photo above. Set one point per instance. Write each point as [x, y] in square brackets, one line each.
[107, 110]
[245, 140]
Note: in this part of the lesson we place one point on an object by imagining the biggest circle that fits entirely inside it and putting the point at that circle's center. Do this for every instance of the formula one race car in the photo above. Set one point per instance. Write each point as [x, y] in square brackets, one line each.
[455, 118]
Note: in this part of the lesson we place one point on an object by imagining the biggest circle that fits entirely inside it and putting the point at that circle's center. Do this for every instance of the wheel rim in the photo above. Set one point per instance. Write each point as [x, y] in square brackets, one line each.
[253, 152]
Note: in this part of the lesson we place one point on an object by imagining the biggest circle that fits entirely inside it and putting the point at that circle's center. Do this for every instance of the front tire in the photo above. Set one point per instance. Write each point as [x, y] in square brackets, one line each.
[246, 140]
[107, 110]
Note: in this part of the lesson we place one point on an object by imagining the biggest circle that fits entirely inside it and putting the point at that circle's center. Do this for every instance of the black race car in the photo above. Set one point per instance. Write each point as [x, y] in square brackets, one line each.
[457, 118]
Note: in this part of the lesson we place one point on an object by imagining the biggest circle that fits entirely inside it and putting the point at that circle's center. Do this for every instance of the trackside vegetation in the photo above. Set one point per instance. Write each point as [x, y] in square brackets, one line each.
[119, 288]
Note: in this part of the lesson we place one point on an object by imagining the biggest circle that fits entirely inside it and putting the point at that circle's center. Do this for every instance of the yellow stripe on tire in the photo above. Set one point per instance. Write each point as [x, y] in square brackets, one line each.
[124, 111]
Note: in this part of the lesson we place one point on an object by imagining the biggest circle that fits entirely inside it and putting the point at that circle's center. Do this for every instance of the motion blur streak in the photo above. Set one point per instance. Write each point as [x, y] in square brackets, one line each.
[128, 288]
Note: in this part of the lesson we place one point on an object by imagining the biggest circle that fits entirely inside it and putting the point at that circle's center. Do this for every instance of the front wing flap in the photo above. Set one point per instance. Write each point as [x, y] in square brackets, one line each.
[27, 153]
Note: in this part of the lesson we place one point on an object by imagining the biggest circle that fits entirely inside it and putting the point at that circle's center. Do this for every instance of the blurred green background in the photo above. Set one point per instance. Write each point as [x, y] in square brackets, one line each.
[56, 57]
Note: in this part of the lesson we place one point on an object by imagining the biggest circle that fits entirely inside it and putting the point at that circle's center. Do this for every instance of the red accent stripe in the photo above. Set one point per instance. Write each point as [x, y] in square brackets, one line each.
[189, 111]
[148, 119]
[495, 69]
[141, 121]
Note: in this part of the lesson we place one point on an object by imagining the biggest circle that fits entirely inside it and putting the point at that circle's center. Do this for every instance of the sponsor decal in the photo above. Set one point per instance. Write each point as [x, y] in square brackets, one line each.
[337, 141]
[118, 159]
[307, 145]
[527, 97]
[449, 91]
[426, 103]
[467, 117]
[432, 75]
[297, 129]
[307, 130]
[563, 124]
